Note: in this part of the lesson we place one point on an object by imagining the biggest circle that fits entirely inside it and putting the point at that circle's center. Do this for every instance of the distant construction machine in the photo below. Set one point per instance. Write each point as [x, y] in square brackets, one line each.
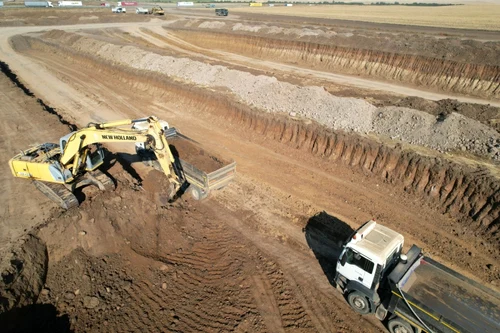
[156, 10]
[57, 170]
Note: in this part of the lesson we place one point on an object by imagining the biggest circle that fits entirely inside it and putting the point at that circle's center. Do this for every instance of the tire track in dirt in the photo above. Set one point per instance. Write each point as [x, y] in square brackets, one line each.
[267, 304]
[205, 282]
[314, 294]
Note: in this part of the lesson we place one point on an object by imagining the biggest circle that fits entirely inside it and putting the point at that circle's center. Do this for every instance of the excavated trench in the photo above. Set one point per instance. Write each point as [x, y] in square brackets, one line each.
[469, 194]
[480, 80]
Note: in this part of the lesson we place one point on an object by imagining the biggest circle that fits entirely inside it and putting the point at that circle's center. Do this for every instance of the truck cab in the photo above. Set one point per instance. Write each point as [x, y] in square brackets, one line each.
[368, 255]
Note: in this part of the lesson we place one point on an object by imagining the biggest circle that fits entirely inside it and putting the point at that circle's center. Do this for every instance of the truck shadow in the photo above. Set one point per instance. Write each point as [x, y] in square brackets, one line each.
[325, 235]
[40, 318]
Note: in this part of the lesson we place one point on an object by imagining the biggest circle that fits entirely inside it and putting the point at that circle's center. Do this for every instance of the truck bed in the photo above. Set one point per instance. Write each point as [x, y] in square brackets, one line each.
[454, 300]
[202, 168]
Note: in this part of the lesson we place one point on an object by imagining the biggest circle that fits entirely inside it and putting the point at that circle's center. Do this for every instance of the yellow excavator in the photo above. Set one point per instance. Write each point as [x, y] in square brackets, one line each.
[156, 10]
[57, 170]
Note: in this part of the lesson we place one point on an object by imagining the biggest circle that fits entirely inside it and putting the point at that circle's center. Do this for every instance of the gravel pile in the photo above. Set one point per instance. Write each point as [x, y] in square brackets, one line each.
[454, 132]
[443, 133]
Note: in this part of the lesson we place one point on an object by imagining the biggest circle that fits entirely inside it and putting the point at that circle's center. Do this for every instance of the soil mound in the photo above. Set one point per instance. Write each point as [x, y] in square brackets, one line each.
[23, 269]
[178, 268]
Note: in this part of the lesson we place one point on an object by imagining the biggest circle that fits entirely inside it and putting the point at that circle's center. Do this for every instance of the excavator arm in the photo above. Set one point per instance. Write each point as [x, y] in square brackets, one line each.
[75, 146]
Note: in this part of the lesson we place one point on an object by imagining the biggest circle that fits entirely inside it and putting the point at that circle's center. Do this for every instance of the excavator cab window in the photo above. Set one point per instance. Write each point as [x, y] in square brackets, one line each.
[95, 158]
[63, 145]
[64, 141]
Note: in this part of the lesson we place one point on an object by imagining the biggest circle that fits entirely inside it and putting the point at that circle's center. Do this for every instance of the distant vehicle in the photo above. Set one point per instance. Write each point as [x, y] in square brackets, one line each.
[212, 5]
[140, 10]
[38, 4]
[118, 10]
[156, 10]
[221, 12]
[104, 4]
[1, 3]
[185, 4]
[70, 4]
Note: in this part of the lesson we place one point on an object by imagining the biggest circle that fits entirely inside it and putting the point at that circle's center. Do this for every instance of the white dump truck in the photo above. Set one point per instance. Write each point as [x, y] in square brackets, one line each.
[70, 4]
[38, 4]
[142, 10]
[412, 292]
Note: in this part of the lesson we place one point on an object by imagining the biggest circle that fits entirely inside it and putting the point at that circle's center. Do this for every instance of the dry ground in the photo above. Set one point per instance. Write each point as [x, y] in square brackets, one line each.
[469, 16]
[257, 256]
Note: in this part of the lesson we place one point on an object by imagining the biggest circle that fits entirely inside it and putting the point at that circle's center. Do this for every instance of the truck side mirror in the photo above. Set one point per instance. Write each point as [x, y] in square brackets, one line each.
[343, 260]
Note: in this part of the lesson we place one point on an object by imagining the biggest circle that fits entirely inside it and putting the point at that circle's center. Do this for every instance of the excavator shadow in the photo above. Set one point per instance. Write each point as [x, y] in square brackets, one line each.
[110, 159]
[125, 160]
[325, 235]
[41, 318]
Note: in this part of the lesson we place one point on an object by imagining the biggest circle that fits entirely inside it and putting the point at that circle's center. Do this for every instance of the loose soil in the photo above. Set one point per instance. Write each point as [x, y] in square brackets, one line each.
[194, 154]
[256, 256]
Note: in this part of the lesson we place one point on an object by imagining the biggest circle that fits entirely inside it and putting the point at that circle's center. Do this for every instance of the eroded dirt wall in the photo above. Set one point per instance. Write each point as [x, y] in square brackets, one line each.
[465, 78]
[470, 195]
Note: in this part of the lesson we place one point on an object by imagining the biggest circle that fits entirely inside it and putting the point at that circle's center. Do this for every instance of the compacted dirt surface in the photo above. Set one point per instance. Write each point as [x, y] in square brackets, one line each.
[326, 135]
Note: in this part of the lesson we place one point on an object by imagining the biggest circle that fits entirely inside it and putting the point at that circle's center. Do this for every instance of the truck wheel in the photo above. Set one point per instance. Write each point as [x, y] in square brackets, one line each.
[359, 302]
[399, 325]
[197, 193]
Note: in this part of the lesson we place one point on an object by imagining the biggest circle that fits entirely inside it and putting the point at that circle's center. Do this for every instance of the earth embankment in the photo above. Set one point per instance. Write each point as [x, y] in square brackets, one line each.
[481, 80]
[450, 133]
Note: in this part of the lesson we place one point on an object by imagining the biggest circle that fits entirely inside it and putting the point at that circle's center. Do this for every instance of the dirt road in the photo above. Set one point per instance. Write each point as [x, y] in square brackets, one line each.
[257, 256]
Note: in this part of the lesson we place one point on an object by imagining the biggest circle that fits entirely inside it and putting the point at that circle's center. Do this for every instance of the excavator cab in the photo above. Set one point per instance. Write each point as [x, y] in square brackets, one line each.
[93, 156]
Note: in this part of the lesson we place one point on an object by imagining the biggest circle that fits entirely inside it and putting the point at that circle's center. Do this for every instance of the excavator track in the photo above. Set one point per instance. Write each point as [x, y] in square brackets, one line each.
[57, 193]
[103, 181]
